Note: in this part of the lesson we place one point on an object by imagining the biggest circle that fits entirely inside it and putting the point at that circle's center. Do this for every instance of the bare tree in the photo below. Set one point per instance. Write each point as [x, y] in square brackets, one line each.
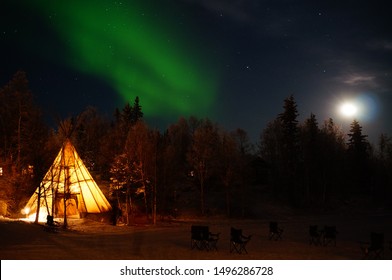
[228, 165]
[202, 156]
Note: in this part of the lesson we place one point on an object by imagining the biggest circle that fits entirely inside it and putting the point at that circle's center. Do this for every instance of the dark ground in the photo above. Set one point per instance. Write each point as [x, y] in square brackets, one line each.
[91, 240]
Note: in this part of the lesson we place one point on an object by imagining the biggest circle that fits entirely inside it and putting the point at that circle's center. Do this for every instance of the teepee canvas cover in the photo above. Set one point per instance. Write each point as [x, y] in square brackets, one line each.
[67, 177]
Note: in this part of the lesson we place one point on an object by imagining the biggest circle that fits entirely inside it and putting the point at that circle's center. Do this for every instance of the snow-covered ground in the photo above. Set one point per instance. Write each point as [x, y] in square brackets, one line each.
[93, 240]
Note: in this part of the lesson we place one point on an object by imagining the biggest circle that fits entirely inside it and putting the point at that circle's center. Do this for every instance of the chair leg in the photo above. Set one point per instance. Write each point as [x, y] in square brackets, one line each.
[213, 245]
[379, 254]
[235, 247]
[243, 249]
[232, 247]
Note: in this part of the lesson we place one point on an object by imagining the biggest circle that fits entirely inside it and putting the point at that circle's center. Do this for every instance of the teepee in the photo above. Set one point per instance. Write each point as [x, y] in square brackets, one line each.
[67, 184]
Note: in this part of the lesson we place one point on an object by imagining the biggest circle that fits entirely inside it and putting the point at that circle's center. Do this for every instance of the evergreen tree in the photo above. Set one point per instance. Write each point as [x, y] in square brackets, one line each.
[125, 119]
[384, 168]
[290, 124]
[290, 149]
[130, 115]
[310, 155]
[127, 116]
[271, 142]
[385, 148]
[357, 143]
[332, 160]
[358, 159]
[136, 114]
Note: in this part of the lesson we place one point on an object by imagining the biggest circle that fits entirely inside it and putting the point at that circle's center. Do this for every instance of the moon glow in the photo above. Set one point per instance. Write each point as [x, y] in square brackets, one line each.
[348, 109]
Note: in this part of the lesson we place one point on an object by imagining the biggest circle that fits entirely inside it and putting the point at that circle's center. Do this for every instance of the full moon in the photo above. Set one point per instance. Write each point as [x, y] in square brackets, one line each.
[348, 109]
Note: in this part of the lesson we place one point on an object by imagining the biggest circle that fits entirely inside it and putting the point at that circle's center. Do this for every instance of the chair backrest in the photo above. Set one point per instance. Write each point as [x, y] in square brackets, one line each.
[235, 234]
[199, 232]
[377, 240]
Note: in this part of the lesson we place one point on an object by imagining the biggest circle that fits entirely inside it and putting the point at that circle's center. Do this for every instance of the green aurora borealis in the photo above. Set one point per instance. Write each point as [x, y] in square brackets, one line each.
[134, 52]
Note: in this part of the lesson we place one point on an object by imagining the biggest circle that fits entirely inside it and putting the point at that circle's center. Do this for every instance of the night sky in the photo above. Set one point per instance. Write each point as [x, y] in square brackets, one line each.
[234, 61]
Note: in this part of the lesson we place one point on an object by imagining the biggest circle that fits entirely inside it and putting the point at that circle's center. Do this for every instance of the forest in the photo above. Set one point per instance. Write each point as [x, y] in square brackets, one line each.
[195, 166]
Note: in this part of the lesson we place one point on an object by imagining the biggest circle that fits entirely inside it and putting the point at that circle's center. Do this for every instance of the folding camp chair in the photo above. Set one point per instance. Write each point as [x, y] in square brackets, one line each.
[375, 248]
[202, 238]
[238, 241]
[329, 235]
[212, 241]
[199, 237]
[314, 235]
[275, 232]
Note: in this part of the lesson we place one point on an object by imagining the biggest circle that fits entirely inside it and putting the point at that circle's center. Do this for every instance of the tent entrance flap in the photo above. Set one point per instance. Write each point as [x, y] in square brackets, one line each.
[71, 204]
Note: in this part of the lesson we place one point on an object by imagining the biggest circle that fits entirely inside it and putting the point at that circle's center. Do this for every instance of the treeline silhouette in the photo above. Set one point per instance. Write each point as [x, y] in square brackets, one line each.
[194, 166]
